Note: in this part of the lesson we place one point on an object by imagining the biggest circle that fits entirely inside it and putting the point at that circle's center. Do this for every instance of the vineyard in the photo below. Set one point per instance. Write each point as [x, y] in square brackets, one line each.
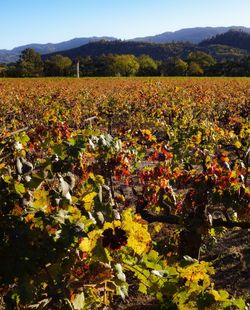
[113, 191]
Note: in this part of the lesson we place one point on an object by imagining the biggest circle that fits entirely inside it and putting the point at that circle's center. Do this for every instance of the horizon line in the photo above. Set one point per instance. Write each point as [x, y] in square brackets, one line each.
[119, 38]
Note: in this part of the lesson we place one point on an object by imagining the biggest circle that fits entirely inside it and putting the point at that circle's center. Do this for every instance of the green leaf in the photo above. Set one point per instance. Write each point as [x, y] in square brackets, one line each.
[153, 256]
[22, 138]
[59, 150]
[19, 188]
[239, 303]
[79, 301]
[35, 181]
[100, 253]
[142, 288]
[223, 294]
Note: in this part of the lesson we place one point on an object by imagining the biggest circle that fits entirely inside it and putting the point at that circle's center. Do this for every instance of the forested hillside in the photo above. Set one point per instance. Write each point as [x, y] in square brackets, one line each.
[233, 38]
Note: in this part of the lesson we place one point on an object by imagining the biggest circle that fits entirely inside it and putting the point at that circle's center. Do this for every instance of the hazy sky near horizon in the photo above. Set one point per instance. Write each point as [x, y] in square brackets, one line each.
[42, 21]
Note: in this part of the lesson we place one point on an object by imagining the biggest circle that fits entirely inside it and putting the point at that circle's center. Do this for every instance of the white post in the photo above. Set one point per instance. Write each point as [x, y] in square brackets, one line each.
[78, 69]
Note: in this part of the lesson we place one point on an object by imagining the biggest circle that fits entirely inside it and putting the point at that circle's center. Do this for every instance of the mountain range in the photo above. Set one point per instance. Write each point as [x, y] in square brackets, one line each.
[192, 35]
[157, 51]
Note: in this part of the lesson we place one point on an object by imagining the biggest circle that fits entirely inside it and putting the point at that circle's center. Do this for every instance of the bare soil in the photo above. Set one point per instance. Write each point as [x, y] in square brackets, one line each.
[230, 257]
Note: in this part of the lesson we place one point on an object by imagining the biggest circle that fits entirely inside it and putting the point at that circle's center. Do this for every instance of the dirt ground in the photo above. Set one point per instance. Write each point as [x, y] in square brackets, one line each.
[231, 259]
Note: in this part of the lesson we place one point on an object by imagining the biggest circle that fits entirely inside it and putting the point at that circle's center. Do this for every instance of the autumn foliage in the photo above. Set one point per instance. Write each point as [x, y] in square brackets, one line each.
[92, 171]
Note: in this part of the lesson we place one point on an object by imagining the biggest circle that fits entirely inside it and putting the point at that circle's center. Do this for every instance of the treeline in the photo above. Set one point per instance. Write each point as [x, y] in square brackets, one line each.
[31, 64]
[196, 63]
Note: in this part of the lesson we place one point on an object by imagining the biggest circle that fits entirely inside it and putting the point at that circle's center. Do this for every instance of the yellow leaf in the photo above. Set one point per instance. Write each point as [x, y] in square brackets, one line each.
[89, 200]
[88, 243]
[41, 199]
[196, 272]
[139, 238]
[112, 225]
[2, 166]
[85, 245]
[216, 295]
[237, 144]
[97, 178]
[29, 217]
[158, 227]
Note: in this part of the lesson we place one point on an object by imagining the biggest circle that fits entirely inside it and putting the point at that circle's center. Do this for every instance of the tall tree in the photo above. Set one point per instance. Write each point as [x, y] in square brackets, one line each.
[104, 65]
[125, 65]
[30, 63]
[147, 66]
[195, 69]
[180, 67]
[3, 70]
[87, 66]
[58, 65]
[201, 58]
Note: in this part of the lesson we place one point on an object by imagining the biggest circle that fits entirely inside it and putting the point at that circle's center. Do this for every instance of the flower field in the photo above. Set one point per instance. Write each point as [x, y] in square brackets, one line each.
[111, 186]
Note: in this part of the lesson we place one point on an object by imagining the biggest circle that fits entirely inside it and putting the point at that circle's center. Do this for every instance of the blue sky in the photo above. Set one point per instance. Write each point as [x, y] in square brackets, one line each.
[43, 21]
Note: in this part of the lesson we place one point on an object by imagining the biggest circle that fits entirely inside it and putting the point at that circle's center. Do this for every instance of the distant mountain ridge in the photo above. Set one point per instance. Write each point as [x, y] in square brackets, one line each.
[13, 55]
[192, 35]
[62, 46]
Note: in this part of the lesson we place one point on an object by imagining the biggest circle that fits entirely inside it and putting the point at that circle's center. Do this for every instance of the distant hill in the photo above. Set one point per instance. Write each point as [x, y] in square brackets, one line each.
[7, 56]
[234, 38]
[193, 35]
[13, 55]
[55, 47]
[156, 51]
